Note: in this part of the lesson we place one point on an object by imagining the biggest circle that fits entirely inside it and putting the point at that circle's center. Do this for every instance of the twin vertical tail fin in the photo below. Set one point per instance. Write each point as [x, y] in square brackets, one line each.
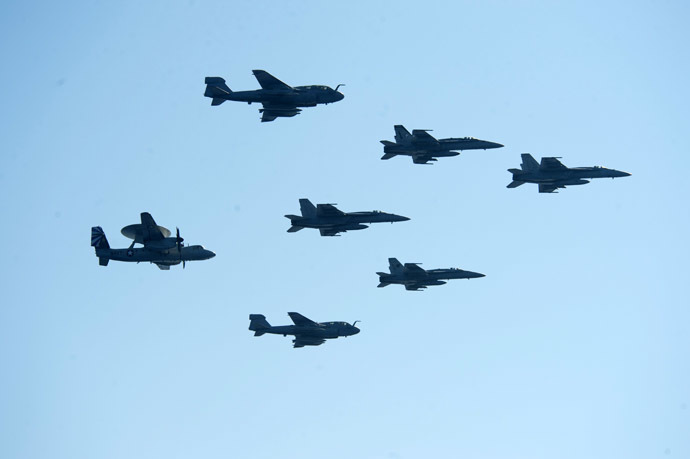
[216, 89]
[99, 241]
[395, 266]
[401, 134]
[307, 208]
[529, 163]
[258, 324]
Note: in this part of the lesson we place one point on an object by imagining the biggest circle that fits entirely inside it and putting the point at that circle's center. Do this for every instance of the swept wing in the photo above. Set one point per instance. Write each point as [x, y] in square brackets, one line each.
[547, 187]
[414, 268]
[328, 210]
[268, 81]
[422, 137]
[302, 321]
[550, 163]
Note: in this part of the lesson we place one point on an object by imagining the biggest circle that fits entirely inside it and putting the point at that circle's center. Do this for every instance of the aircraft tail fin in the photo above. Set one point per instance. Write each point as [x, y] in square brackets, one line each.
[258, 324]
[98, 239]
[529, 163]
[395, 266]
[401, 134]
[515, 184]
[308, 209]
[216, 89]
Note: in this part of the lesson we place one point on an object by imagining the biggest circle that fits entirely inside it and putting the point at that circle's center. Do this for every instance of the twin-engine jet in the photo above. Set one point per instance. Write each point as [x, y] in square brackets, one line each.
[159, 247]
[330, 221]
[306, 331]
[551, 174]
[277, 98]
[423, 147]
[413, 277]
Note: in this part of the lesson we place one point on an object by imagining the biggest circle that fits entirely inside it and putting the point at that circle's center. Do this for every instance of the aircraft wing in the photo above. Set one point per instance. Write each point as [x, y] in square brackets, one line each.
[301, 341]
[422, 137]
[551, 164]
[414, 268]
[329, 231]
[547, 188]
[328, 210]
[151, 231]
[268, 81]
[422, 159]
[300, 320]
[415, 287]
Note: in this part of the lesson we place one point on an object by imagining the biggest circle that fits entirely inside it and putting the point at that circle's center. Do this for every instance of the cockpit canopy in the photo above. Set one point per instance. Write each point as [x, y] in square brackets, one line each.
[315, 86]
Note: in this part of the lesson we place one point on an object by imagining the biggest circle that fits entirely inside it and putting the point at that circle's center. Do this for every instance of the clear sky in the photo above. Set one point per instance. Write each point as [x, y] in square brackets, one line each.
[575, 344]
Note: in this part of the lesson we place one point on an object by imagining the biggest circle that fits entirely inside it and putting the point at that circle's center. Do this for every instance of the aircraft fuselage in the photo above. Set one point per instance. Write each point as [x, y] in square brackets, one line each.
[570, 176]
[432, 277]
[297, 97]
[172, 256]
[350, 221]
[443, 148]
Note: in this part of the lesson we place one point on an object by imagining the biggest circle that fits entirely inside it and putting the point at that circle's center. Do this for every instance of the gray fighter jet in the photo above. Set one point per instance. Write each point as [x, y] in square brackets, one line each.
[307, 332]
[423, 147]
[551, 174]
[413, 277]
[330, 221]
[159, 247]
[277, 98]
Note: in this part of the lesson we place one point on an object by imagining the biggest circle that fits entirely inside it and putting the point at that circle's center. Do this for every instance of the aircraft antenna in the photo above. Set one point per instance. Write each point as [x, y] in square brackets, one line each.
[339, 85]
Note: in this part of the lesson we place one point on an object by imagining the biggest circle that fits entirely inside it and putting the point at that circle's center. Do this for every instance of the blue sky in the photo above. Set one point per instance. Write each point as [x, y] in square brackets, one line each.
[574, 345]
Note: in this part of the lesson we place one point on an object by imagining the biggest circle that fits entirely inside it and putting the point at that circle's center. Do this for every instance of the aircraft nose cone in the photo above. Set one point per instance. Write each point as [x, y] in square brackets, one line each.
[211, 254]
[400, 218]
[339, 96]
[355, 331]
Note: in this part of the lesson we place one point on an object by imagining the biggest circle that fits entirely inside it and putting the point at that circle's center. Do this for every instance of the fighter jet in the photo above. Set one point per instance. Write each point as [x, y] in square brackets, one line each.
[330, 221]
[413, 277]
[424, 148]
[277, 98]
[159, 247]
[307, 332]
[551, 174]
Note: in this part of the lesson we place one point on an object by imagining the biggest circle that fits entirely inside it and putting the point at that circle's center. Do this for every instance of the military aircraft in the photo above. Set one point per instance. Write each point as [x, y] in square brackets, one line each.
[423, 147]
[330, 221]
[413, 277]
[306, 331]
[277, 98]
[551, 174]
[159, 247]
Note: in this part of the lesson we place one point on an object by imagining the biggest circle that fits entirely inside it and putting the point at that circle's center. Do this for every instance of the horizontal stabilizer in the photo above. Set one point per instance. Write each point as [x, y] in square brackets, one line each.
[515, 184]
[103, 261]
[383, 284]
[294, 229]
[388, 156]
[216, 89]
[388, 143]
